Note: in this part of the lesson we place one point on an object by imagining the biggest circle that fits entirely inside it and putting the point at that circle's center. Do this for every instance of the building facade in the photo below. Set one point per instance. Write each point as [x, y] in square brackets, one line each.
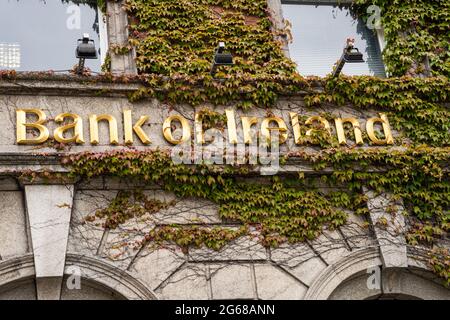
[105, 196]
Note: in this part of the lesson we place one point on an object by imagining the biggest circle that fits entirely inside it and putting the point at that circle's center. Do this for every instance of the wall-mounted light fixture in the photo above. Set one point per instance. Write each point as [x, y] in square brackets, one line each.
[85, 50]
[350, 55]
[221, 58]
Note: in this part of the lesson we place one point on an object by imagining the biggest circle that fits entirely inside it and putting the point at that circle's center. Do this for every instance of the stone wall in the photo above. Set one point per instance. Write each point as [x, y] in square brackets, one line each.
[44, 234]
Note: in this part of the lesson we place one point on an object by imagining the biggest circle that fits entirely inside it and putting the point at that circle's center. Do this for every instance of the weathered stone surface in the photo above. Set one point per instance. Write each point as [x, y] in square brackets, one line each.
[13, 226]
[333, 276]
[117, 24]
[356, 288]
[122, 244]
[120, 247]
[88, 291]
[49, 288]
[299, 260]
[8, 184]
[114, 183]
[115, 104]
[396, 281]
[291, 255]
[309, 270]
[86, 237]
[49, 209]
[191, 282]
[244, 248]
[232, 281]
[389, 224]
[417, 263]
[272, 283]
[24, 290]
[239, 270]
[97, 183]
[187, 210]
[331, 246]
[154, 265]
[356, 232]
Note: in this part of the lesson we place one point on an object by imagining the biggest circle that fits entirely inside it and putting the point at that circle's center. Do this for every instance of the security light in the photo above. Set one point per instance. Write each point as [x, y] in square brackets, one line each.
[221, 58]
[350, 55]
[221, 47]
[85, 50]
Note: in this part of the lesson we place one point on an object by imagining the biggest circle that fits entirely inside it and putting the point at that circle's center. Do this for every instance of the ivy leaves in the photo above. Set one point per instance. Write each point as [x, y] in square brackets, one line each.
[416, 106]
[288, 209]
[414, 30]
[177, 39]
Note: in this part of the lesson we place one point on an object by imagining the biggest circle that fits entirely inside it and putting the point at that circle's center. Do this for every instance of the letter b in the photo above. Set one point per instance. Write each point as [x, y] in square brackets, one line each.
[22, 126]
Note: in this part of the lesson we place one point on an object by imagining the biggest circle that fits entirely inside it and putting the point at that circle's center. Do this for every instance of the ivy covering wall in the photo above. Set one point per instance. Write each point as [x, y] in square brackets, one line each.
[175, 40]
[415, 30]
[175, 43]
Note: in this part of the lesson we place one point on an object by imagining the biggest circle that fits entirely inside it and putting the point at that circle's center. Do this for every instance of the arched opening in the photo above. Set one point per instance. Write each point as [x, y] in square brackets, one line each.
[350, 278]
[89, 290]
[393, 297]
[98, 279]
[394, 284]
[25, 289]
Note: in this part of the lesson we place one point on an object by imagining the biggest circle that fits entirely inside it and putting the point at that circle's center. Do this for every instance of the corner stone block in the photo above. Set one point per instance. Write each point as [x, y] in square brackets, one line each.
[49, 209]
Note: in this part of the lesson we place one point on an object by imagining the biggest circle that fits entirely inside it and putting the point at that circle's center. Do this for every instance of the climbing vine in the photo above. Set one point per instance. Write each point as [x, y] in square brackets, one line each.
[175, 41]
[440, 263]
[127, 205]
[415, 30]
[293, 209]
[416, 107]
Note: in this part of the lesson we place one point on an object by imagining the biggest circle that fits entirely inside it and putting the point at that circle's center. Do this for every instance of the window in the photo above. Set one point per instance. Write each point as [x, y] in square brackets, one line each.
[38, 35]
[319, 36]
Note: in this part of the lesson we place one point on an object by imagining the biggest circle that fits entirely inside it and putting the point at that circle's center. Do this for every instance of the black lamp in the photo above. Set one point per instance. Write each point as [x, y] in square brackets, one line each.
[221, 58]
[350, 55]
[85, 50]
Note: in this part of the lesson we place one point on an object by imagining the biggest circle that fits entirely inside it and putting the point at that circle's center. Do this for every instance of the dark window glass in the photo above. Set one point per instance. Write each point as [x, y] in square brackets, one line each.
[37, 35]
[319, 36]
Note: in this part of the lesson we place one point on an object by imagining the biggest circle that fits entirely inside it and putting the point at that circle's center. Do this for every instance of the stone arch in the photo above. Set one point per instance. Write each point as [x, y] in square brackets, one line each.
[99, 278]
[347, 279]
[397, 284]
[110, 276]
[16, 269]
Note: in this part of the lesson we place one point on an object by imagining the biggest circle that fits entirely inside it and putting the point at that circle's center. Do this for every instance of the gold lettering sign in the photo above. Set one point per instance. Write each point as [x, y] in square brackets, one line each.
[167, 129]
[128, 128]
[72, 132]
[341, 132]
[22, 125]
[76, 125]
[93, 127]
[324, 122]
[247, 123]
[295, 127]
[198, 124]
[281, 128]
[388, 139]
[231, 127]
